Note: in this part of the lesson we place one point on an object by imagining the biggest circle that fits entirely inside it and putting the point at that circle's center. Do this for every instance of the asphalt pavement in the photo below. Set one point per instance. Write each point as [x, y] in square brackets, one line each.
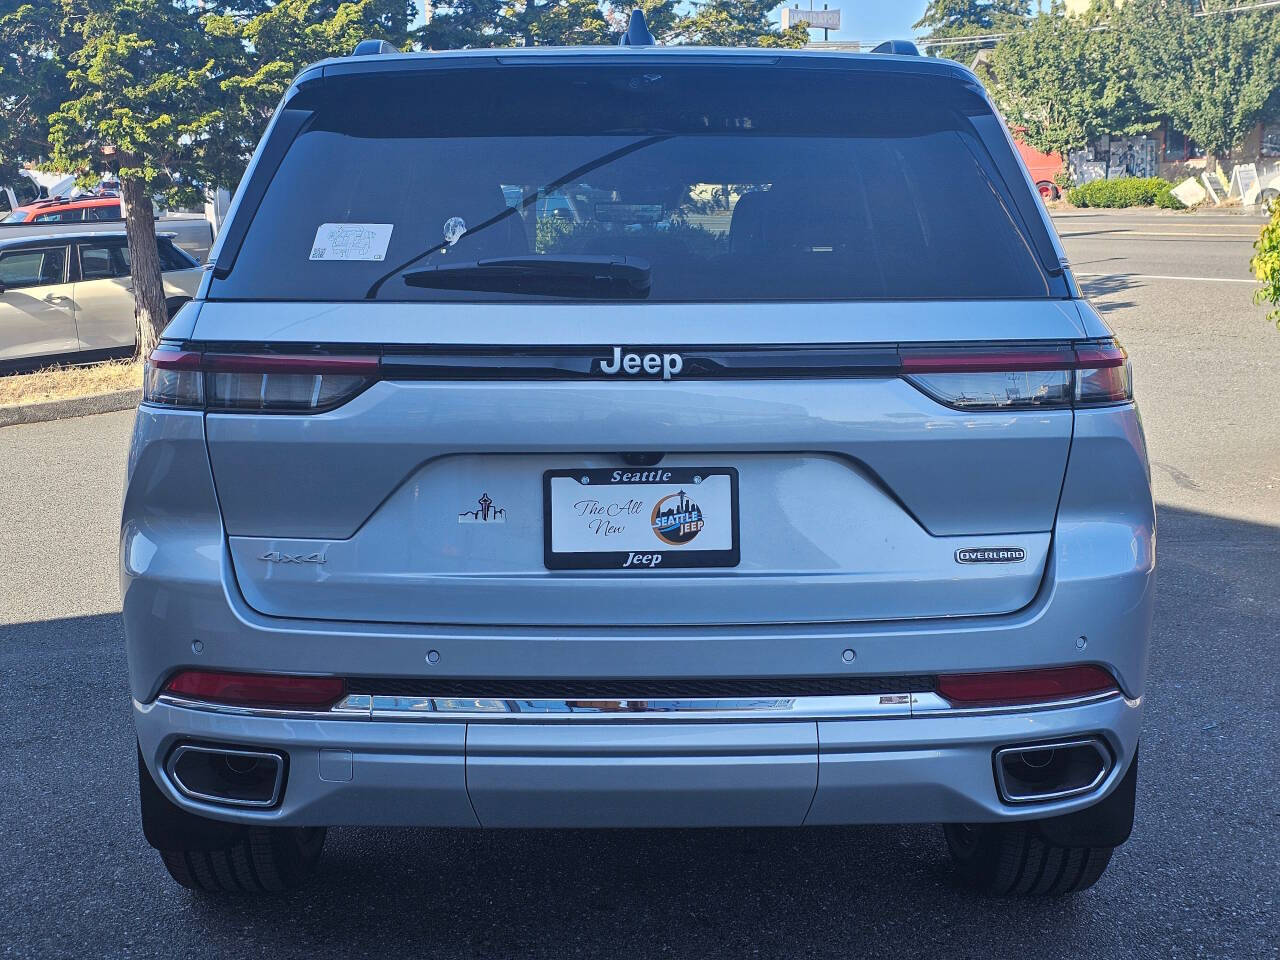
[1198, 878]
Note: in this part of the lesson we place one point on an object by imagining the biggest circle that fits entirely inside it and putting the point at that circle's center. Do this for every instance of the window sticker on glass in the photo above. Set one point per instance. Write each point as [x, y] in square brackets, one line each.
[351, 241]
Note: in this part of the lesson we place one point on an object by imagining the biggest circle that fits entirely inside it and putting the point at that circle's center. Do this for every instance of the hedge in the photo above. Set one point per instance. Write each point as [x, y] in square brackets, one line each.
[1125, 192]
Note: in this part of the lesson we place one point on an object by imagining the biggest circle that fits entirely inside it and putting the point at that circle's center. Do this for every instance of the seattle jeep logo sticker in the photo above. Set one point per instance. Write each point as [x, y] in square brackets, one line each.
[676, 519]
[990, 555]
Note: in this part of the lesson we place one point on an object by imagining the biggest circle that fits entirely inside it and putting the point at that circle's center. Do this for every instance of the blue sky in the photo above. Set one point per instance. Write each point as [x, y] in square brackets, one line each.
[871, 20]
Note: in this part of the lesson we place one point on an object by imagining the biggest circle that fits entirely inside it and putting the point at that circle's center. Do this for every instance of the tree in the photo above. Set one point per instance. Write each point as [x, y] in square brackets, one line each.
[945, 19]
[735, 23]
[33, 81]
[1065, 79]
[515, 23]
[267, 44]
[1211, 75]
[142, 96]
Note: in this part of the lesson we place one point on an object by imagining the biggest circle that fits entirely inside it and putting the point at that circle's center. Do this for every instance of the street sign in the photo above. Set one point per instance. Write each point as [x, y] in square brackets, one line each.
[813, 19]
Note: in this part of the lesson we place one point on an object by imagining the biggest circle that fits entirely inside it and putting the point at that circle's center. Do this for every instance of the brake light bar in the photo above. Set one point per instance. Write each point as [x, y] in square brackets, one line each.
[968, 360]
[991, 376]
[310, 364]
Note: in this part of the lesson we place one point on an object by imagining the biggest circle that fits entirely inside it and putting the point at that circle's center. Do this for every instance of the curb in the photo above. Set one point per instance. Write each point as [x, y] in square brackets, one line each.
[66, 409]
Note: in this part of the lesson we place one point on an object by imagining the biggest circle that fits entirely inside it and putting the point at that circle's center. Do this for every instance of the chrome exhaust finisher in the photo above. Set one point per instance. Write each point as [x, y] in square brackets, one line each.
[229, 776]
[1043, 772]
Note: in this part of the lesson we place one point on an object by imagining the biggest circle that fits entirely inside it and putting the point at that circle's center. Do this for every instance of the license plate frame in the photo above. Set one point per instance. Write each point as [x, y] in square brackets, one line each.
[670, 556]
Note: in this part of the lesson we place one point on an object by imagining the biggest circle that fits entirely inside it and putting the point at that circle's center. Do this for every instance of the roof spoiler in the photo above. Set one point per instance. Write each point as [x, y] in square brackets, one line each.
[901, 48]
[370, 48]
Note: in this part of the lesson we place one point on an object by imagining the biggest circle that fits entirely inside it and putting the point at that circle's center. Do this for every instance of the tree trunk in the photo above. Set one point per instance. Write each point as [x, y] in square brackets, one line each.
[149, 312]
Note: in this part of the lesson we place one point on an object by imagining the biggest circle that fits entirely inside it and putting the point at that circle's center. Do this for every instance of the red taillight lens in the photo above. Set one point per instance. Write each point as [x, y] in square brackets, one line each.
[258, 689]
[171, 377]
[1021, 376]
[280, 383]
[1103, 374]
[1024, 686]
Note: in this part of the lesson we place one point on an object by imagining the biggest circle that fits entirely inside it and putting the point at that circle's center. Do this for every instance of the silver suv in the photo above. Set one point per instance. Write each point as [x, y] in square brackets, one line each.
[637, 437]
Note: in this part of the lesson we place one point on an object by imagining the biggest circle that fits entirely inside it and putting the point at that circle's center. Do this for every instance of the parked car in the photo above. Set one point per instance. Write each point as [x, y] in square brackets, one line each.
[1043, 167]
[69, 298]
[67, 210]
[773, 488]
[192, 232]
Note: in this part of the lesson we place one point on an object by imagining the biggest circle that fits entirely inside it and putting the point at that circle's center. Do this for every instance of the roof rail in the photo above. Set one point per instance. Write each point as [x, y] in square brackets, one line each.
[369, 48]
[903, 48]
[637, 34]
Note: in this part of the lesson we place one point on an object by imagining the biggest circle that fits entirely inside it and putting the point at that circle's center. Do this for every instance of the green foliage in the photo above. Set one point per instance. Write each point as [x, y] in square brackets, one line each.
[1063, 79]
[34, 52]
[142, 94]
[735, 23]
[265, 47]
[519, 23]
[515, 23]
[1166, 199]
[1266, 265]
[1212, 76]
[946, 19]
[1124, 192]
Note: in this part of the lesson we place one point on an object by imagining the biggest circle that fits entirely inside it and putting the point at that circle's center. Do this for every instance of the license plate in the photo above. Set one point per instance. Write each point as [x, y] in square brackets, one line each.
[640, 518]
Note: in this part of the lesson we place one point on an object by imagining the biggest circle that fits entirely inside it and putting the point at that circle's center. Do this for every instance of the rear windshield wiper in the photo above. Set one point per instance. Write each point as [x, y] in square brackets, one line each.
[603, 277]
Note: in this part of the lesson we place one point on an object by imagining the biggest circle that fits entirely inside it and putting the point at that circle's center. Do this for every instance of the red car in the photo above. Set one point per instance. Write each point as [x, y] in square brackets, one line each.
[63, 210]
[1043, 167]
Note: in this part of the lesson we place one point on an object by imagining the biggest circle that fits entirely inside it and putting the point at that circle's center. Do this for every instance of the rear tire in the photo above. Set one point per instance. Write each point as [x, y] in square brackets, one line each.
[1012, 859]
[218, 857]
[1045, 858]
[264, 860]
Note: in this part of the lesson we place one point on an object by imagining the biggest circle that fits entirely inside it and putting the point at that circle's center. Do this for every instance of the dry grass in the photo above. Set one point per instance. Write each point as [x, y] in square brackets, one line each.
[68, 382]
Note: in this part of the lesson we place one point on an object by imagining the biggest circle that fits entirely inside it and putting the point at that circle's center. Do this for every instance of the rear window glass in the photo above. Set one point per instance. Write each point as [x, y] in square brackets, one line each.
[702, 183]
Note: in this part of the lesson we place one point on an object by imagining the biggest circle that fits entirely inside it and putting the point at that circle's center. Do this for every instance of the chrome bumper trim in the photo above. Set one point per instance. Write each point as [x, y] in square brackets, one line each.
[860, 707]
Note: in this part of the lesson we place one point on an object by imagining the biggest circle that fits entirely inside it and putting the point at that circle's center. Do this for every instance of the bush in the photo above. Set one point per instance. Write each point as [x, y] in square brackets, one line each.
[1125, 192]
[1166, 199]
[1266, 265]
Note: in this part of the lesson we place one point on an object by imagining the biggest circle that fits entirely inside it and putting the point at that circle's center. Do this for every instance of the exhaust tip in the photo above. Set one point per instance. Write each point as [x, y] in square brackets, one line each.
[1043, 772]
[228, 776]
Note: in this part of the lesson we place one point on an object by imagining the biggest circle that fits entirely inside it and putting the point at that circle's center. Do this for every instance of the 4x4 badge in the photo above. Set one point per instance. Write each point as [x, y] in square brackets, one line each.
[990, 555]
[275, 556]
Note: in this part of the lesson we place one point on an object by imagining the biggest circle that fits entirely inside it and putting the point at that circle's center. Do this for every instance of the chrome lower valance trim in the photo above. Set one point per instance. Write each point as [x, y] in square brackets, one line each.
[860, 707]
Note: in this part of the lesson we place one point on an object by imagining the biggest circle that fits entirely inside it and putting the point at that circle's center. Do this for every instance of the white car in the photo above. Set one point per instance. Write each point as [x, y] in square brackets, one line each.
[69, 297]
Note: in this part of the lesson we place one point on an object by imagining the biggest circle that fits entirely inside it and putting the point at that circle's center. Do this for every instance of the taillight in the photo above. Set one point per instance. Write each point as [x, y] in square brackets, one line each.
[1010, 687]
[1021, 376]
[1103, 374]
[172, 377]
[270, 383]
[285, 383]
[257, 689]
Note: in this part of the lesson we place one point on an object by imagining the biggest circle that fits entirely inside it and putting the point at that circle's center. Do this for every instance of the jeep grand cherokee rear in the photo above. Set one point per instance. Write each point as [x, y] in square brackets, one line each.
[636, 437]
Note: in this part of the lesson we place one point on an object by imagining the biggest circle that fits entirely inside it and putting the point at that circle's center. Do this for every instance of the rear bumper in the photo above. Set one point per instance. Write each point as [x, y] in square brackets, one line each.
[639, 773]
